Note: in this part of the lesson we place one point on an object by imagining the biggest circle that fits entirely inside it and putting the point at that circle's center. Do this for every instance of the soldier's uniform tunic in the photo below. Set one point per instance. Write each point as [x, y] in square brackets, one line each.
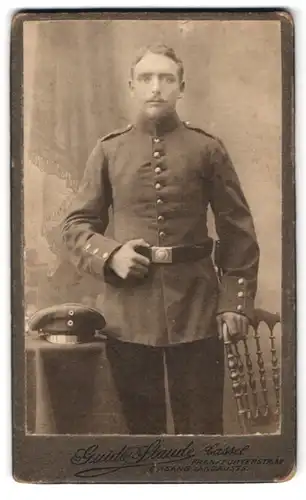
[159, 181]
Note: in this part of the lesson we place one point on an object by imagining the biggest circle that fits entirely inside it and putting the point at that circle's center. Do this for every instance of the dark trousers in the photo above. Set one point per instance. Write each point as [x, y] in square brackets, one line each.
[195, 373]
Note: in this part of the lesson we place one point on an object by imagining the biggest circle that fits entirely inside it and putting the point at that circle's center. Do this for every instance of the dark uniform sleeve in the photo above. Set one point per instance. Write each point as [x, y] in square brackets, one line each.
[84, 227]
[239, 250]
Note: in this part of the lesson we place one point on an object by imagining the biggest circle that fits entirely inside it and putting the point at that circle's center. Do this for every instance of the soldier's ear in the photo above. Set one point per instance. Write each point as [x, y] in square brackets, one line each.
[182, 89]
[131, 85]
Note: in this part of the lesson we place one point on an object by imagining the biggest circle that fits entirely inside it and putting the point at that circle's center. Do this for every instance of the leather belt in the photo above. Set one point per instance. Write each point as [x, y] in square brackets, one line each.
[176, 254]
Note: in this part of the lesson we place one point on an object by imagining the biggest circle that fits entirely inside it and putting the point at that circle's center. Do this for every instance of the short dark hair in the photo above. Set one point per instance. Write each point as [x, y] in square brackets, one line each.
[159, 48]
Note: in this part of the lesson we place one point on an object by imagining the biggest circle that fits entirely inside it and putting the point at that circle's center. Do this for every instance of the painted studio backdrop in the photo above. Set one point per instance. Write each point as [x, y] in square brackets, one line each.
[76, 90]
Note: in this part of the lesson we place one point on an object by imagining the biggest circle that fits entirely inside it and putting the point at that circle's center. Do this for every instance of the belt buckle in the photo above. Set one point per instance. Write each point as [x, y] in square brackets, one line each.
[162, 255]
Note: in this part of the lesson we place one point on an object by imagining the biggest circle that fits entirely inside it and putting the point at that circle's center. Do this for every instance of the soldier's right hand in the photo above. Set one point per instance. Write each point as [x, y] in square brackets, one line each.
[126, 262]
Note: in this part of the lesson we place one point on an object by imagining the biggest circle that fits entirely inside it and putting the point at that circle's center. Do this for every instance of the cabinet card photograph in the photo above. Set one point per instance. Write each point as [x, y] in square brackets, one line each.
[153, 246]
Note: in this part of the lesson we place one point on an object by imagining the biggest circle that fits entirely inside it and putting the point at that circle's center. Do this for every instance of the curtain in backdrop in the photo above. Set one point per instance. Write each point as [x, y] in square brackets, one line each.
[71, 108]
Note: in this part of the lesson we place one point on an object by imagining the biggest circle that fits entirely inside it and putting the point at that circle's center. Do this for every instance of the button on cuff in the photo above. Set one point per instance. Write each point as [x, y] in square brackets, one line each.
[235, 296]
[95, 261]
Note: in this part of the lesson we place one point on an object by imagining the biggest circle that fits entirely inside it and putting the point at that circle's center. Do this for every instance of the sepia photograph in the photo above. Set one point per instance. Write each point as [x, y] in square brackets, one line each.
[153, 238]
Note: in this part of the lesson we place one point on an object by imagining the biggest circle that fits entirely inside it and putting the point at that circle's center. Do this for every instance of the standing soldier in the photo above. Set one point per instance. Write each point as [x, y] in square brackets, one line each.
[163, 303]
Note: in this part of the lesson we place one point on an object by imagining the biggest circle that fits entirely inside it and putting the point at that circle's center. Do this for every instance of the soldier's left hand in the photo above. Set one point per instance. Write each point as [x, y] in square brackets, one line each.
[237, 325]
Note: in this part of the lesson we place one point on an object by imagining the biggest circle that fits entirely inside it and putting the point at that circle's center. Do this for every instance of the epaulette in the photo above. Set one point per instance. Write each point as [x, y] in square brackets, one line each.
[198, 129]
[117, 132]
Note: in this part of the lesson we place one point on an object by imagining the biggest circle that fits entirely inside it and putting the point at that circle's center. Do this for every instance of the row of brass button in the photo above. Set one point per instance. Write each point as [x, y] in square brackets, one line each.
[158, 186]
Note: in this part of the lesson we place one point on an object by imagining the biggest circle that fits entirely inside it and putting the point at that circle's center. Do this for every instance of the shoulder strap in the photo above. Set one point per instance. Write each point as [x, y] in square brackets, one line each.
[117, 132]
[198, 129]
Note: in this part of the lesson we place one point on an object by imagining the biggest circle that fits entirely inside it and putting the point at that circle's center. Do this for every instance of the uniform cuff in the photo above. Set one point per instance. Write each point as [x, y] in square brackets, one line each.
[98, 250]
[235, 296]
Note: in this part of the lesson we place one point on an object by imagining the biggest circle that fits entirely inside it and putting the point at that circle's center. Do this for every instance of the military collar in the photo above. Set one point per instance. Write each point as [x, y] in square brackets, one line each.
[158, 127]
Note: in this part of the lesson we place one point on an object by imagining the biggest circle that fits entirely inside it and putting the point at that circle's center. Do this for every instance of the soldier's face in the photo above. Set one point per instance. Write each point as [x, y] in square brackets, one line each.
[156, 85]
